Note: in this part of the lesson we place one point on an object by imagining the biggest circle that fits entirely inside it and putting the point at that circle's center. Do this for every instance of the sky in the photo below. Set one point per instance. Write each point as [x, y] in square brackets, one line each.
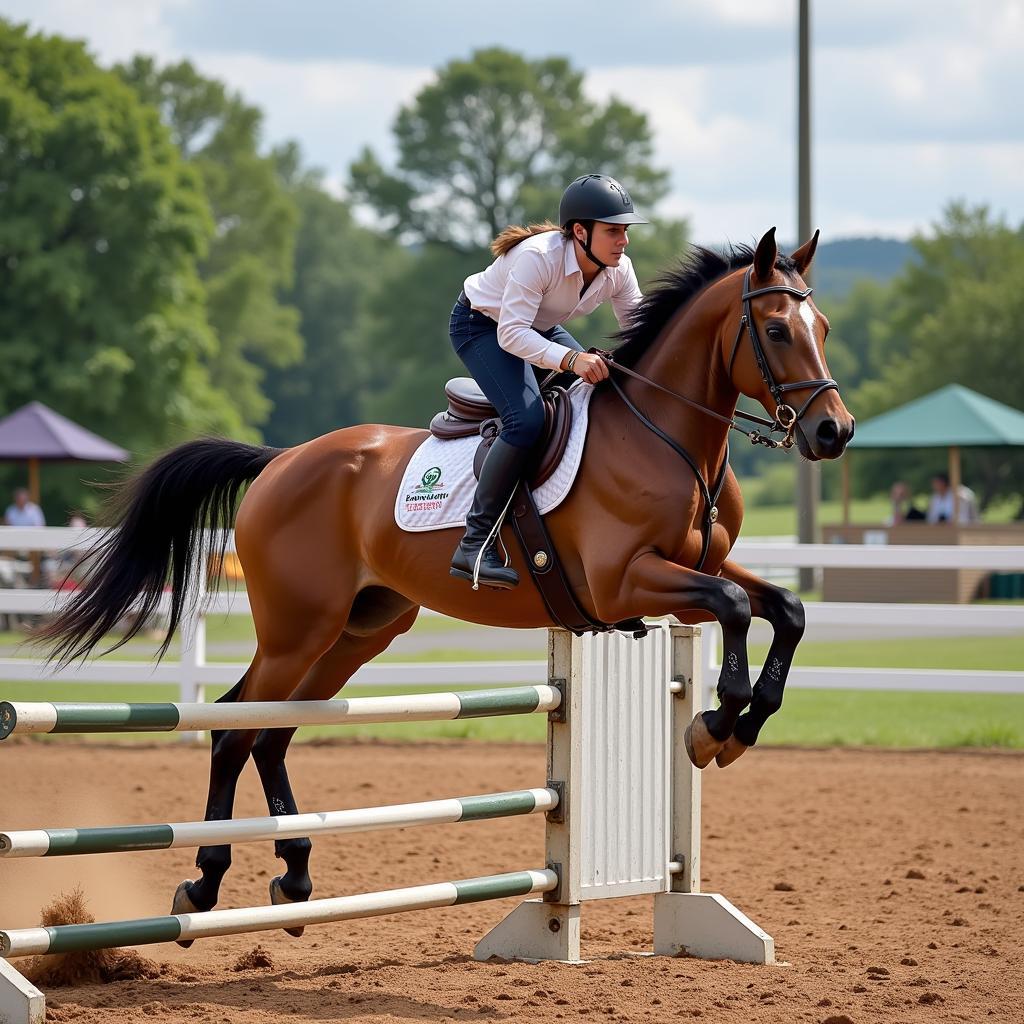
[915, 102]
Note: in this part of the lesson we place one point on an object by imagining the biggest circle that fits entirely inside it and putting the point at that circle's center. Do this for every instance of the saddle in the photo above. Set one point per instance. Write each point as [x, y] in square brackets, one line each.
[469, 412]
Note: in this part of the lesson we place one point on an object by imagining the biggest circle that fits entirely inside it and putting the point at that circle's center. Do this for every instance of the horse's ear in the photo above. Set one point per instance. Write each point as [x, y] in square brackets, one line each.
[765, 255]
[805, 254]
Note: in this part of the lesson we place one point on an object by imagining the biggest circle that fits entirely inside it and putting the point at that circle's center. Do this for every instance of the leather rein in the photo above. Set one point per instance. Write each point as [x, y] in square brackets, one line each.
[786, 417]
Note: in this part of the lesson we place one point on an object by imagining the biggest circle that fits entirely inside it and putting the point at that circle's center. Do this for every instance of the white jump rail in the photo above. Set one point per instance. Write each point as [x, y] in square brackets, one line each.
[65, 842]
[192, 673]
[622, 818]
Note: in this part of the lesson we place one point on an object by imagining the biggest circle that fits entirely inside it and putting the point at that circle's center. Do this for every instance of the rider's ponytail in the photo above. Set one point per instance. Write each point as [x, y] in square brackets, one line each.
[508, 239]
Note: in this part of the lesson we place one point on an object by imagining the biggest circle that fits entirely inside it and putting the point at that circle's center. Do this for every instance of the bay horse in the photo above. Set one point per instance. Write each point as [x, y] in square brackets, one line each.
[332, 580]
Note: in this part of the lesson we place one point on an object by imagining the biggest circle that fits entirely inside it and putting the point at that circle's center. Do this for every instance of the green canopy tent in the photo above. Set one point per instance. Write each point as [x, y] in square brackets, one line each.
[953, 417]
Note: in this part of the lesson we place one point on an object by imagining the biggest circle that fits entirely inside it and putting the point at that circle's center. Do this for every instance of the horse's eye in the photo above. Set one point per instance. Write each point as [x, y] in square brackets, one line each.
[776, 333]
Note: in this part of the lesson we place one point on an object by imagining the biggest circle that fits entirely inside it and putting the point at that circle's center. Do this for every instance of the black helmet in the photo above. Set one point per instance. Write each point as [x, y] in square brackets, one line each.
[597, 197]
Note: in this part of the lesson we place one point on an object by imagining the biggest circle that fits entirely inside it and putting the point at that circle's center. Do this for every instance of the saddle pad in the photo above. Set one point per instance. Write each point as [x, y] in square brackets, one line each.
[438, 484]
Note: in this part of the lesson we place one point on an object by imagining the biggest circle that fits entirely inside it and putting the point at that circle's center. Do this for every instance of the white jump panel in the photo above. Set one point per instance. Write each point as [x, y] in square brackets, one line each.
[626, 723]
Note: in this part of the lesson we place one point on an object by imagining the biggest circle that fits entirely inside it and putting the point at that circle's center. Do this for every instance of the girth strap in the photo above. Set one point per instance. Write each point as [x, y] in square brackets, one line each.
[546, 570]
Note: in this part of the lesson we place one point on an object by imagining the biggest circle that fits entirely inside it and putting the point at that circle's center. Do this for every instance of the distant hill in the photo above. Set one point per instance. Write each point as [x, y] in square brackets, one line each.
[839, 264]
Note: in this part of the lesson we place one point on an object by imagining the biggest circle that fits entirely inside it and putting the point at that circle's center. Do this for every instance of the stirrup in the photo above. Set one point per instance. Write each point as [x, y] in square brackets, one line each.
[492, 536]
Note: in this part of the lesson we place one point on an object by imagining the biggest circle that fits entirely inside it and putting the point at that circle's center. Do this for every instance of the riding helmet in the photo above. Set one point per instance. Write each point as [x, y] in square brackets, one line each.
[597, 197]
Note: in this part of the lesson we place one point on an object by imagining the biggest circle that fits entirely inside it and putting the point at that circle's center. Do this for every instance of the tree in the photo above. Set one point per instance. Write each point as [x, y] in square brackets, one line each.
[251, 257]
[101, 226]
[493, 141]
[337, 264]
[955, 316]
[405, 324]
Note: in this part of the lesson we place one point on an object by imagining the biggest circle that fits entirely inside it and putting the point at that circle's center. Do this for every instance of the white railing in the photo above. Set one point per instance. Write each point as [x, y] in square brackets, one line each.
[192, 673]
[890, 617]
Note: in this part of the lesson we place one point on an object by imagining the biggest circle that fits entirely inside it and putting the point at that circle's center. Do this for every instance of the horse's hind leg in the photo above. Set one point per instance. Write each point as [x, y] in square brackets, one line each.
[324, 679]
[230, 751]
[785, 612]
[268, 677]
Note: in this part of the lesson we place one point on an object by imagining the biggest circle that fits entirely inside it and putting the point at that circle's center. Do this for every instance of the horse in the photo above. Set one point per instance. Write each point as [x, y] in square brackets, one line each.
[332, 580]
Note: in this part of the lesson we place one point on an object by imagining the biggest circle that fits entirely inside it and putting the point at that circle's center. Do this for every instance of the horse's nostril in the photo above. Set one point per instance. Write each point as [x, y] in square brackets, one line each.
[827, 433]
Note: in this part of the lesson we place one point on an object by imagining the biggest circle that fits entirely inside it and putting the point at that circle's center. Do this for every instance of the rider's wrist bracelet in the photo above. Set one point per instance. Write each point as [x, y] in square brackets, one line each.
[572, 359]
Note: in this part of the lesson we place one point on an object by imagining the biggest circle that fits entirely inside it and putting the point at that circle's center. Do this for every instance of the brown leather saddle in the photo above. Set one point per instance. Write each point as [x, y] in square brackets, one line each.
[469, 412]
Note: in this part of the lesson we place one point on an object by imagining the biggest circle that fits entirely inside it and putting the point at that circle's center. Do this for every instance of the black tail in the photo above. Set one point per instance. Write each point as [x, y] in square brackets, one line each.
[161, 517]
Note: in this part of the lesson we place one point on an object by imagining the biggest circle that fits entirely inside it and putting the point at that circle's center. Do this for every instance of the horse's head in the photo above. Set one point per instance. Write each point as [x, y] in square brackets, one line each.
[778, 356]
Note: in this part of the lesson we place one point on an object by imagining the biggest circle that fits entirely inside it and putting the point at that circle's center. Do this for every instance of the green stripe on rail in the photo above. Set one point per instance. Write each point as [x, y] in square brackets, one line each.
[513, 700]
[118, 839]
[477, 808]
[493, 887]
[73, 717]
[73, 938]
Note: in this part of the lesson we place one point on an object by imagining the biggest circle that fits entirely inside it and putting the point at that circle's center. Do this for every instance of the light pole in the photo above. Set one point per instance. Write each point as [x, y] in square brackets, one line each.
[808, 473]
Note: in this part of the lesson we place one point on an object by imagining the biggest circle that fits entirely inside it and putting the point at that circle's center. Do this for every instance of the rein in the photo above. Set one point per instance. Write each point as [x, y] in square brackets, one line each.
[785, 421]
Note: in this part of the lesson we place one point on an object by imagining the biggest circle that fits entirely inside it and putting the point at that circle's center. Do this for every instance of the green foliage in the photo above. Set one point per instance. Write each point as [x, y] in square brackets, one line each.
[101, 224]
[337, 267]
[406, 334]
[954, 315]
[251, 256]
[493, 141]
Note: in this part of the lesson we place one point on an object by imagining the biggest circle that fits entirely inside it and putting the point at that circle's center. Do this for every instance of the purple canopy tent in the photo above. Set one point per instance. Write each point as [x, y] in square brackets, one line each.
[35, 433]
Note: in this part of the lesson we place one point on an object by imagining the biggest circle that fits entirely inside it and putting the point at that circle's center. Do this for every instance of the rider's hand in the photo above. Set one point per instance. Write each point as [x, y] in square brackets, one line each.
[592, 369]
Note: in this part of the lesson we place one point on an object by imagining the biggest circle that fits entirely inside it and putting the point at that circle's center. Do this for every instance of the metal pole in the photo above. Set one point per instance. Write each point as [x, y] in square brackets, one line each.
[808, 473]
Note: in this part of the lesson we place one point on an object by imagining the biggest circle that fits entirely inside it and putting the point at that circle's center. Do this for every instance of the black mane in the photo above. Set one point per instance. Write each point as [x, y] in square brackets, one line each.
[677, 286]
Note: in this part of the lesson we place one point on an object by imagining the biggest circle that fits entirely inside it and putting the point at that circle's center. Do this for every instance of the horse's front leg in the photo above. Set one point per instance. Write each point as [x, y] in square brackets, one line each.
[661, 587]
[785, 612]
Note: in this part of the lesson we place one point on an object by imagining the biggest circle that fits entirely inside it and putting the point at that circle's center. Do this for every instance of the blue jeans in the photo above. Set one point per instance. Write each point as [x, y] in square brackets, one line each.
[511, 384]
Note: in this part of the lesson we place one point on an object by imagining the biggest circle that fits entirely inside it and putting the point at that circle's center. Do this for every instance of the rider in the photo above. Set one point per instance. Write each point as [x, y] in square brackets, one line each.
[509, 316]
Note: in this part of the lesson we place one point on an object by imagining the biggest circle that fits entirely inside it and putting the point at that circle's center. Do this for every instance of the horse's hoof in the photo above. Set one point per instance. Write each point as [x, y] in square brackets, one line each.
[701, 746]
[183, 905]
[277, 896]
[732, 750]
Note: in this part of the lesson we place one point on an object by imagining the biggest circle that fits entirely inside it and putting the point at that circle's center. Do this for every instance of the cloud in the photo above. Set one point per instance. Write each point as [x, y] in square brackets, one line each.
[333, 108]
[124, 27]
[914, 103]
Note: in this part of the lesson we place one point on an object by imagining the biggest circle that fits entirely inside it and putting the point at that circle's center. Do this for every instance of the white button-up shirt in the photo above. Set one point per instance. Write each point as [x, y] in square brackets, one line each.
[537, 285]
[30, 514]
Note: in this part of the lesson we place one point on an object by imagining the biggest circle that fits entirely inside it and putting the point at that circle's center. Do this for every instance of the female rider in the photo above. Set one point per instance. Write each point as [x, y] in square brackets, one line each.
[506, 328]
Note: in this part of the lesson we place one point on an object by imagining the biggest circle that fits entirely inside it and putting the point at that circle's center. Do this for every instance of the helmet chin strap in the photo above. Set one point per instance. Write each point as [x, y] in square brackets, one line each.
[590, 252]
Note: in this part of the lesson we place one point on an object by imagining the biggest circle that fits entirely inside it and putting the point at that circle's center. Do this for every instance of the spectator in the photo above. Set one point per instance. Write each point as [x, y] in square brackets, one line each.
[23, 512]
[940, 506]
[68, 568]
[903, 508]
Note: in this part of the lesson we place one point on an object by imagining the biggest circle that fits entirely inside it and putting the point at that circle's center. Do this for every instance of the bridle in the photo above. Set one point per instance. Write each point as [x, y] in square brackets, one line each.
[786, 418]
[785, 421]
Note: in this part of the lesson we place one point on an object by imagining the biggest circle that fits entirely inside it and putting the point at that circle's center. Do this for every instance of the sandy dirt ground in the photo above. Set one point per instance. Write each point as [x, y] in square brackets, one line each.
[893, 884]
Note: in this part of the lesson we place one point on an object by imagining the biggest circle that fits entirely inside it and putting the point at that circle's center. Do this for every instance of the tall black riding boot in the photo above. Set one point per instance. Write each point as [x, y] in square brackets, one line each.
[476, 558]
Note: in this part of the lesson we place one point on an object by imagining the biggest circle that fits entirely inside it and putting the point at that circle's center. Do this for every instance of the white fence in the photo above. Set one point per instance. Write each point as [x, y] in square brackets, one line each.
[192, 674]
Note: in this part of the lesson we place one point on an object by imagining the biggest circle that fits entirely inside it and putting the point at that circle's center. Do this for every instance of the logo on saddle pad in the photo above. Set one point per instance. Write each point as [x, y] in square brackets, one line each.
[430, 479]
[428, 494]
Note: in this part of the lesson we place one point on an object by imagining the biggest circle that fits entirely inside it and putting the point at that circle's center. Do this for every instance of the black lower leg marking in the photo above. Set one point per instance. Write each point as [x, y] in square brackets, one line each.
[269, 754]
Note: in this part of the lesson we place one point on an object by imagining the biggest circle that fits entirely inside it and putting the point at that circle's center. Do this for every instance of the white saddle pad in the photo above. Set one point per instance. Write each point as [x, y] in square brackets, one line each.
[438, 485]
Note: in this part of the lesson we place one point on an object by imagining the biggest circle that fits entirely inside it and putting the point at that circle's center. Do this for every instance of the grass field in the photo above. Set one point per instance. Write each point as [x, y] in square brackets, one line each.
[815, 718]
